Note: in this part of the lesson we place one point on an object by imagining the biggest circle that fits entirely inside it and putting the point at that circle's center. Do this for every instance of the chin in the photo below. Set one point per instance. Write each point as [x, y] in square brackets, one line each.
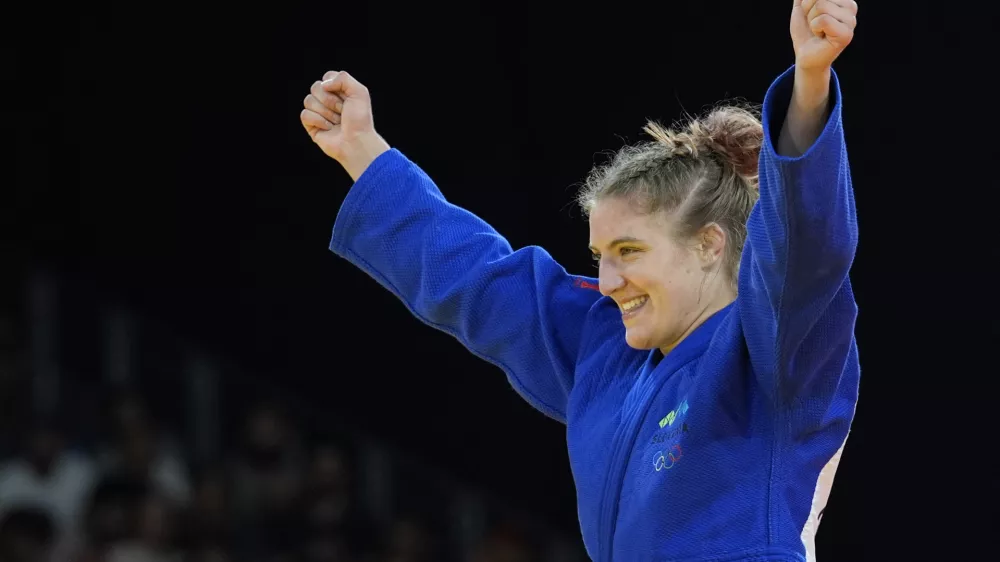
[638, 340]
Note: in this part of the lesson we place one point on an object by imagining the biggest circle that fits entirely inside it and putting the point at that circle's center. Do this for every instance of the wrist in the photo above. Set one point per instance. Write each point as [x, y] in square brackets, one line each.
[812, 88]
[807, 112]
[359, 152]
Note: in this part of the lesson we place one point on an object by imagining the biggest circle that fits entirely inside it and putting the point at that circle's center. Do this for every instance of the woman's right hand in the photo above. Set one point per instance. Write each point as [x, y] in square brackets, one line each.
[338, 118]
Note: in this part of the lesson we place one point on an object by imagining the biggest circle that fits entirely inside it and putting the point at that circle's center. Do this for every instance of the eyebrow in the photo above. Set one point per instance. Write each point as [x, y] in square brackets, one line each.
[618, 242]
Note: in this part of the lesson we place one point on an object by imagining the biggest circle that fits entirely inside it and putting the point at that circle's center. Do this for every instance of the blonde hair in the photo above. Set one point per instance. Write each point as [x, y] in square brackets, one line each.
[702, 172]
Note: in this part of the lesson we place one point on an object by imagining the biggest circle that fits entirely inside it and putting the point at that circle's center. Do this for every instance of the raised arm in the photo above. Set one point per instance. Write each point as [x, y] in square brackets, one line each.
[517, 309]
[794, 292]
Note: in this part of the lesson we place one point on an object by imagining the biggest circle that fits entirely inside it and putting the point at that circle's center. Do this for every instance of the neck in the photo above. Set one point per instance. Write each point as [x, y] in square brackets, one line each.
[707, 311]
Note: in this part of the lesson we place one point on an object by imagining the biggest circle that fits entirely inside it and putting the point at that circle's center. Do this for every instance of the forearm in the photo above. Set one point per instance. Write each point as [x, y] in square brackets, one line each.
[808, 112]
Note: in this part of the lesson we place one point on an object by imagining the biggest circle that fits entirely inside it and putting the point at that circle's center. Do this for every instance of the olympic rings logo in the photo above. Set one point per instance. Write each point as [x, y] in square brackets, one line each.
[667, 461]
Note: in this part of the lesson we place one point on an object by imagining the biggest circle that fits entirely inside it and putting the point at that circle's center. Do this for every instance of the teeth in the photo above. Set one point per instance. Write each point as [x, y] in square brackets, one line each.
[629, 305]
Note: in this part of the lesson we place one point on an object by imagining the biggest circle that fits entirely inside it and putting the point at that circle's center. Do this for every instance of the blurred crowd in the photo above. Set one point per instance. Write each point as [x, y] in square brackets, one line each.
[116, 485]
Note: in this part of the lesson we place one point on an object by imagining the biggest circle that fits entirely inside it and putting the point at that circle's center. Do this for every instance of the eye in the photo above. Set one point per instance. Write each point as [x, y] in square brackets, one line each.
[627, 251]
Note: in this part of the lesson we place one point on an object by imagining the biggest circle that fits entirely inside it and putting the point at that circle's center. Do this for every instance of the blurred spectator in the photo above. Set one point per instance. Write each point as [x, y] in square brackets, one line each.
[152, 538]
[266, 501]
[335, 520]
[46, 475]
[267, 477]
[26, 535]
[110, 516]
[268, 469]
[140, 450]
[208, 527]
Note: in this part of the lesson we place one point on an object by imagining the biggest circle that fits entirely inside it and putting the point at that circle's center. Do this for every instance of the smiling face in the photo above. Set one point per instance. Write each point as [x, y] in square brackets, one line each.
[664, 287]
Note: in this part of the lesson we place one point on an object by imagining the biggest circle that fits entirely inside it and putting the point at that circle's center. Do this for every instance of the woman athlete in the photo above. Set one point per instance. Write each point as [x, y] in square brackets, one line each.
[709, 385]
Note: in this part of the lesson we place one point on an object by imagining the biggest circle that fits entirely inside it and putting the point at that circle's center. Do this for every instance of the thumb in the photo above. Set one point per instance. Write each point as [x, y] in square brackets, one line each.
[346, 86]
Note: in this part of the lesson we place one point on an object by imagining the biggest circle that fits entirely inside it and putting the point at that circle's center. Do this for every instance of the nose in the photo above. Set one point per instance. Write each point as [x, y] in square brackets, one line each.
[609, 279]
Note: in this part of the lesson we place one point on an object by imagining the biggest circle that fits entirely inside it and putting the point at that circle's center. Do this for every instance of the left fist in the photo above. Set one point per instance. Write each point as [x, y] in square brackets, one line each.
[820, 30]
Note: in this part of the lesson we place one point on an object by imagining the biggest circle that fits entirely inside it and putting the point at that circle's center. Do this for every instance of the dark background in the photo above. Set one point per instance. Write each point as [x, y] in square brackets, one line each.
[160, 161]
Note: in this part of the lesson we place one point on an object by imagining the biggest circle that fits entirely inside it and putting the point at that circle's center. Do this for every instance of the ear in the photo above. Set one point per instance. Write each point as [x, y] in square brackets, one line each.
[711, 245]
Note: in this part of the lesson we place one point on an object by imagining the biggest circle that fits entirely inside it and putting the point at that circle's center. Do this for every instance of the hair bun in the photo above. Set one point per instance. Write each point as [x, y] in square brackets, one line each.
[733, 133]
[736, 134]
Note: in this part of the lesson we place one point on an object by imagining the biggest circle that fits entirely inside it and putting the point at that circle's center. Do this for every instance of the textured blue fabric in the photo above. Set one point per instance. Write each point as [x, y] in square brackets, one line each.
[710, 453]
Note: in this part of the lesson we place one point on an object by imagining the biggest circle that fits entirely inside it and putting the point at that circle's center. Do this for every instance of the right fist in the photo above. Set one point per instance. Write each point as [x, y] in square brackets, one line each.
[338, 118]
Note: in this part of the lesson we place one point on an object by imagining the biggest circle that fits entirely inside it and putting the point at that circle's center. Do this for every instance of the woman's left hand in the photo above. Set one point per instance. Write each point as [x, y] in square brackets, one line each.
[821, 30]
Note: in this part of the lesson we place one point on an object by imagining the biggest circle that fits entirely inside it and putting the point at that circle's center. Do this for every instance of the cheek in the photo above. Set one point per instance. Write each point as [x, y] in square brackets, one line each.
[677, 284]
[673, 278]
[665, 276]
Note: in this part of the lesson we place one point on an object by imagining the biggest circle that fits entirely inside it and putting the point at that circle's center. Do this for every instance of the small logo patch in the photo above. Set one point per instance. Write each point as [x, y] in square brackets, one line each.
[672, 416]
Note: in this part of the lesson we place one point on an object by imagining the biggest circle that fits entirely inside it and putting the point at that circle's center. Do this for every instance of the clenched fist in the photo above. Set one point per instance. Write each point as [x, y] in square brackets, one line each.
[338, 118]
[820, 30]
